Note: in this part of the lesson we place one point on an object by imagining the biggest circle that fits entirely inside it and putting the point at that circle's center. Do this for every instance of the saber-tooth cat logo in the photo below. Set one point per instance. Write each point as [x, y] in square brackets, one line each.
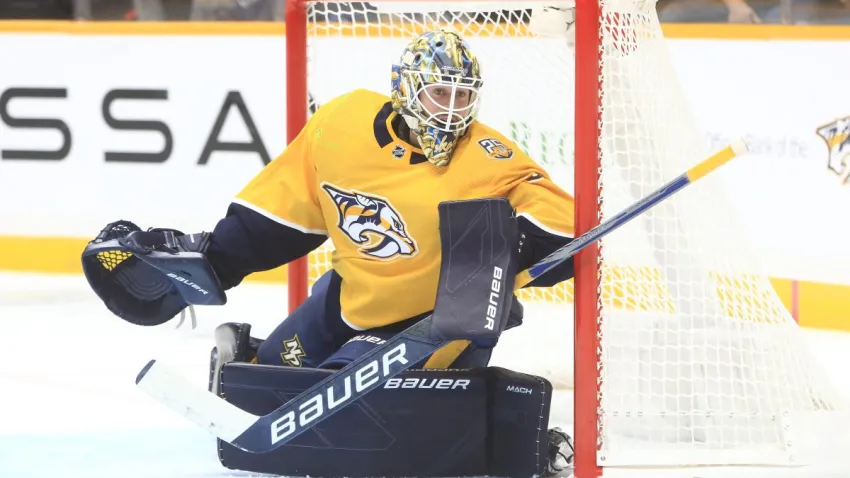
[837, 137]
[372, 223]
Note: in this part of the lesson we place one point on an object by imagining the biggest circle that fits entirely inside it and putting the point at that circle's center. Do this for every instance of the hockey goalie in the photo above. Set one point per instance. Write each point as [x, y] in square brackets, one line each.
[416, 194]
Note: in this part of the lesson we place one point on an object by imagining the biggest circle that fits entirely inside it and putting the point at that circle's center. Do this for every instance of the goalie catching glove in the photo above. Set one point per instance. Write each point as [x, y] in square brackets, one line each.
[148, 277]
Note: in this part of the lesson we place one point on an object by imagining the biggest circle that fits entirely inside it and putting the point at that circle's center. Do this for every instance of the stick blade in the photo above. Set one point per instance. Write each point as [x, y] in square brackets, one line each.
[206, 410]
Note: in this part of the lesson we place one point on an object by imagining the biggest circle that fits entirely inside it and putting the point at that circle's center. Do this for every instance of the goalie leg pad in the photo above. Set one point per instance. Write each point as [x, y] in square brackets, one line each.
[486, 421]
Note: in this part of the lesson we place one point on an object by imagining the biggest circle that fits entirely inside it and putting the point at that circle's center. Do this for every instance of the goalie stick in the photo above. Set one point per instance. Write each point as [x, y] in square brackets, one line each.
[265, 433]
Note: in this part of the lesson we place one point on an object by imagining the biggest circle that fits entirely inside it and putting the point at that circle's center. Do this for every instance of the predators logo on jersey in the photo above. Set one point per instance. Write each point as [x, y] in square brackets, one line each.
[496, 149]
[372, 223]
[837, 137]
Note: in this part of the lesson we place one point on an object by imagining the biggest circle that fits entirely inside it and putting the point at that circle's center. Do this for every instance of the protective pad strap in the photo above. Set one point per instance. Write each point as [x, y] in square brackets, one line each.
[422, 423]
[479, 240]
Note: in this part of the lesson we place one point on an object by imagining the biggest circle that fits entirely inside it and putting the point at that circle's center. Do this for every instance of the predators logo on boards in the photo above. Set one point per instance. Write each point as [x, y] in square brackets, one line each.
[495, 149]
[372, 223]
[837, 137]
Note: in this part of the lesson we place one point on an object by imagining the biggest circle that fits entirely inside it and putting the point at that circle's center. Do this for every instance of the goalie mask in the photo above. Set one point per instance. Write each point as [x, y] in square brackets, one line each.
[436, 89]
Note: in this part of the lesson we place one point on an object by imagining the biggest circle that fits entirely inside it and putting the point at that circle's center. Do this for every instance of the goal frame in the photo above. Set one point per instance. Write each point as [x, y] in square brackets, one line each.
[588, 116]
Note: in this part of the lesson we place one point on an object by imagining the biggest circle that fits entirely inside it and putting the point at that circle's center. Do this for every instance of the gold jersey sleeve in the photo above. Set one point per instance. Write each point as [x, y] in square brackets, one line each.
[547, 206]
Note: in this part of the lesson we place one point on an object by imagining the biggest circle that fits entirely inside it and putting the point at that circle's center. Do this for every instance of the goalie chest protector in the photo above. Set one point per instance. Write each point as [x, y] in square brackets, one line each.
[489, 421]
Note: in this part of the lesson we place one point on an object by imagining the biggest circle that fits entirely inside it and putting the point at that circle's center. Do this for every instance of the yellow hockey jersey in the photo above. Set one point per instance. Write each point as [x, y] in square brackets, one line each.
[347, 175]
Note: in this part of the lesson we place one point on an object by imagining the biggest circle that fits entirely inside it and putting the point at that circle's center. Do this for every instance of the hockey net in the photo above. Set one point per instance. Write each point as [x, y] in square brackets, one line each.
[690, 357]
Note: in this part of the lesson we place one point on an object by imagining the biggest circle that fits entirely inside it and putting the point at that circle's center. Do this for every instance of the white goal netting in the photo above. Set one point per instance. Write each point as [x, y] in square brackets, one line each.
[701, 364]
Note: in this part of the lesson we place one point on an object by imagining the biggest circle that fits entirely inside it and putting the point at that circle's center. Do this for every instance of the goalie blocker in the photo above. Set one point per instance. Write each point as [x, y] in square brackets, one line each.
[487, 421]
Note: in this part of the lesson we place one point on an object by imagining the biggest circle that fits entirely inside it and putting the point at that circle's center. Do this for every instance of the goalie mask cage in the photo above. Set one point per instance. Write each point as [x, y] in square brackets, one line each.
[685, 363]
